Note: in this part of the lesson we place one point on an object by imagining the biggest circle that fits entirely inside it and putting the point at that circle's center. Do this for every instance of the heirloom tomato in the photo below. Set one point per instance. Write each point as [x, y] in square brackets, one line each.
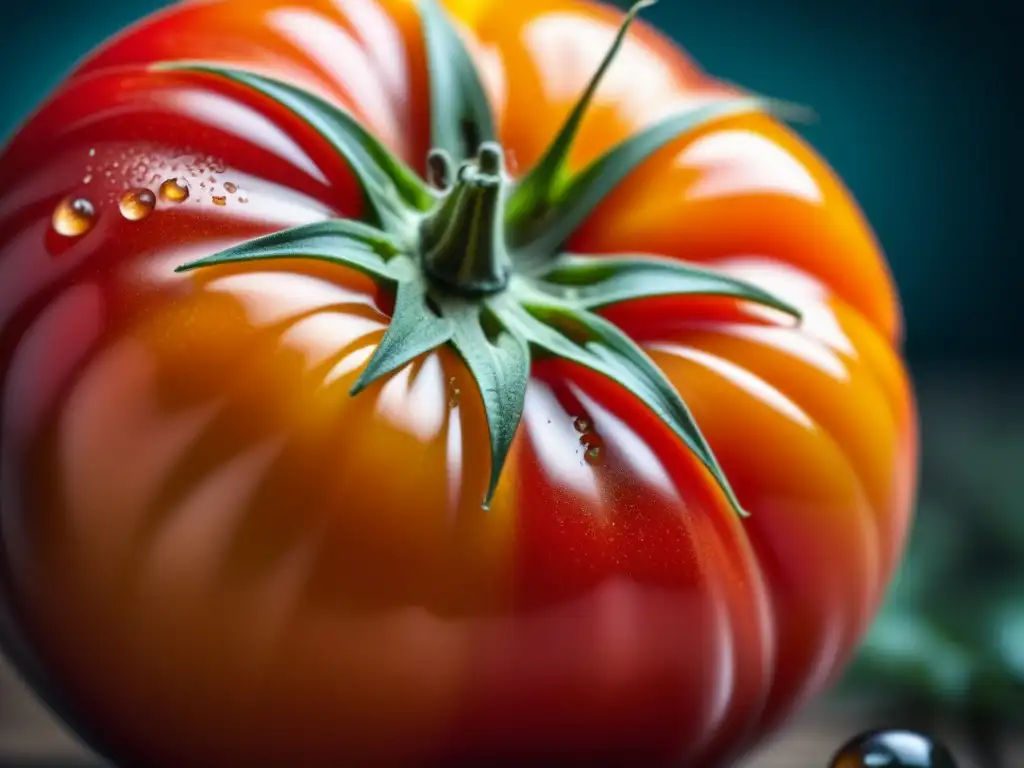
[405, 382]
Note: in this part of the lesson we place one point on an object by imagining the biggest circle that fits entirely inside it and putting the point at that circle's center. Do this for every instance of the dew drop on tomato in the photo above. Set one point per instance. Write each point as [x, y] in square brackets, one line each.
[230, 187]
[593, 447]
[73, 216]
[581, 424]
[174, 190]
[893, 749]
[220, 200]
[454, 394]
[137, 204]
[592, 444]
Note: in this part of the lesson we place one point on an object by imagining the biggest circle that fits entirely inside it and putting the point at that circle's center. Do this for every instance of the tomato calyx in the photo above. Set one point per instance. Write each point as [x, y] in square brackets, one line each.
[462, 242]
[477, 259]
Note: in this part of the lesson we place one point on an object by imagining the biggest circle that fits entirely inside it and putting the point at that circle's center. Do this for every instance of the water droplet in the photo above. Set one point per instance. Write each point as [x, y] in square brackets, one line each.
[243, 199]
[593, 447]
[174, 190]
[581, 424]
[137, 204]
[116, 164]
[230, 187]
[73, 216]
[893, 749]
[454, 394]
[87, 178]
[92, 152]
[220, 200]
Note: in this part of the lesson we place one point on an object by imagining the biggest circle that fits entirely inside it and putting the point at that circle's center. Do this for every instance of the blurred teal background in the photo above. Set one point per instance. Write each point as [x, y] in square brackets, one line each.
[919, 114]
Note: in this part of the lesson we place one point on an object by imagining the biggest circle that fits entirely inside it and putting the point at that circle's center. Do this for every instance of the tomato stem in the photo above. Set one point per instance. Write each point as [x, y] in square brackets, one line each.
[447, 244]
[462, 241]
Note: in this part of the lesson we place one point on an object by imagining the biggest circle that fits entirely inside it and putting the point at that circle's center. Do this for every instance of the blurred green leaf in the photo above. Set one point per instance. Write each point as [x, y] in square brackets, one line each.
[950, 636]
[914, 657]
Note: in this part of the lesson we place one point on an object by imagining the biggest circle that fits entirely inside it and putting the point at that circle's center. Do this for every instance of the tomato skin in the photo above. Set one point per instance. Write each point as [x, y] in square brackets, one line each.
[201, 525]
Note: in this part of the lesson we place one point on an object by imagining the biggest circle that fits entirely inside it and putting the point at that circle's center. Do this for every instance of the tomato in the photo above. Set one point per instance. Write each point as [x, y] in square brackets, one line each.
[604, 508]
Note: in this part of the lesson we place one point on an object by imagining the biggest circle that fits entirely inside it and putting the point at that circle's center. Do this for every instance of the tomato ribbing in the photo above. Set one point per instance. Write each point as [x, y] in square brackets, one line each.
[247, 432]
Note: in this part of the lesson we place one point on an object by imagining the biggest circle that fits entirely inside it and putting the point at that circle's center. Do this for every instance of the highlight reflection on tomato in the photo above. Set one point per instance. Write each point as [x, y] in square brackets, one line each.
[596, 448]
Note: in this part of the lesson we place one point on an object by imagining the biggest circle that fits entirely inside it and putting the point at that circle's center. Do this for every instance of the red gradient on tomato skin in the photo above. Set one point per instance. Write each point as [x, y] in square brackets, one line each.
[673, 644]
[274, 571]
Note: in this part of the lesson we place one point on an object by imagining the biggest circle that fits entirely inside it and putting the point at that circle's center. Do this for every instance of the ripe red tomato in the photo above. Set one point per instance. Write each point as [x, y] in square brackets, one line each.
[214, 554]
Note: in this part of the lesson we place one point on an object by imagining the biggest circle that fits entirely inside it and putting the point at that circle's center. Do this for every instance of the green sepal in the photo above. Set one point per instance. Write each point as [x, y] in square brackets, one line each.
[906, 649]
[392, 190]
[606, 350]
[540, 221]
[947, 633]
[549, 303]
[415, 329]
[593, 282]
[548, 205]
[339, 241]
[460, 112]
[501, 369]
[547, 174]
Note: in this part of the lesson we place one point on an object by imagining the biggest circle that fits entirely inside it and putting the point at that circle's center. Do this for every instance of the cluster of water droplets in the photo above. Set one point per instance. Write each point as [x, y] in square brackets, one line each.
[593, 445]
[454, 393]
[76, 214]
